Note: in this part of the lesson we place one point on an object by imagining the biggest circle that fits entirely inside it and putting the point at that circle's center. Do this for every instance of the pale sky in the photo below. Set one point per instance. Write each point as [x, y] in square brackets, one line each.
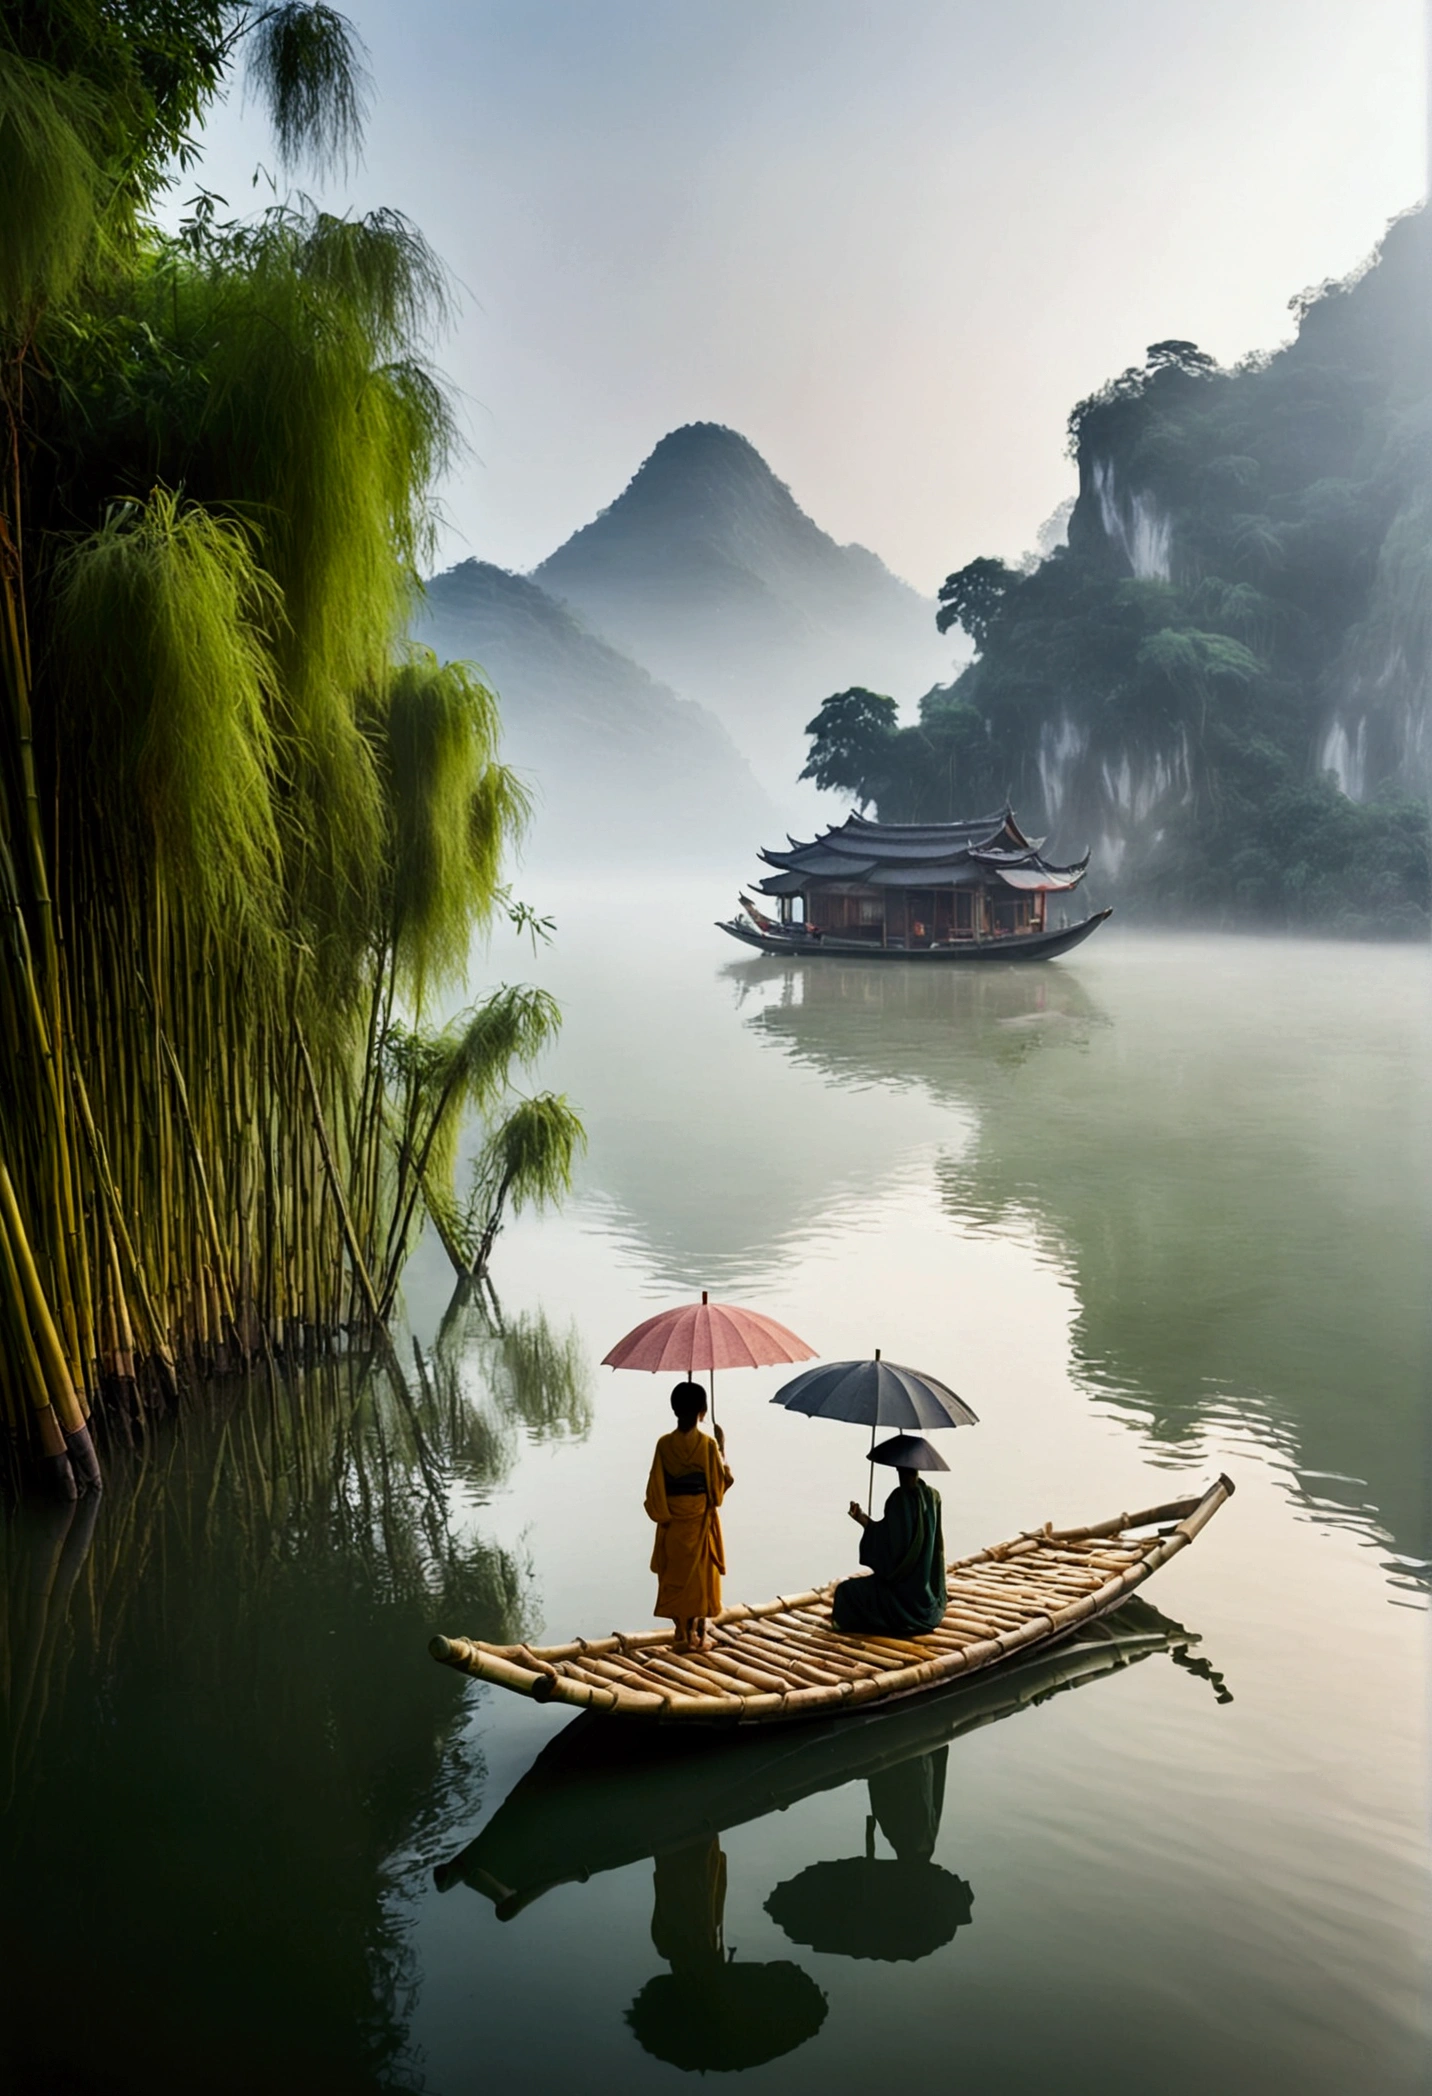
[891, 241]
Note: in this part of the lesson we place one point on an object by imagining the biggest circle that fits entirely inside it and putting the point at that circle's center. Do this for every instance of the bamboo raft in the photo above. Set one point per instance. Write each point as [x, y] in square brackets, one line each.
[784, 1660]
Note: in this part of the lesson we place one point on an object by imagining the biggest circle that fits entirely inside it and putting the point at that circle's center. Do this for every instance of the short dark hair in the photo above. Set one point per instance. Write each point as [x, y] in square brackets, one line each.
[688, 1402]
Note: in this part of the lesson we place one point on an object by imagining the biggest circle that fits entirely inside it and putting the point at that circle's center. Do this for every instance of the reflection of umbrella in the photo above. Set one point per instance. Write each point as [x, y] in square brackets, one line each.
[735, 2017]
[872, 1907]
[874, 1393]
[709, 2012]
[706, 1336]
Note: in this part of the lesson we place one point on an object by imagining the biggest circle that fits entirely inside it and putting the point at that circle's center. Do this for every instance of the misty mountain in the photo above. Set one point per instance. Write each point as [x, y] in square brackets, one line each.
[1224, 680]
[707, 570]
[621, 767]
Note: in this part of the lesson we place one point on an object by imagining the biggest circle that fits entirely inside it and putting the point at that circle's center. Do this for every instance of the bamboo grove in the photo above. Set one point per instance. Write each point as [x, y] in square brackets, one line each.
[246, 836]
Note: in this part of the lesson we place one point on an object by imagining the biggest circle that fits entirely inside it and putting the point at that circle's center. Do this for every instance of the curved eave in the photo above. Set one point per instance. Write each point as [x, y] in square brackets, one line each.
[857, 848]
[1009, 862]
[1034, 880]
[989, 825]
[827, 866]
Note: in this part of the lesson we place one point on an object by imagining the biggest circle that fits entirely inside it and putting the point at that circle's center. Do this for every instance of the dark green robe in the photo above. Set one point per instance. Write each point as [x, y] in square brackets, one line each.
[905, 1551]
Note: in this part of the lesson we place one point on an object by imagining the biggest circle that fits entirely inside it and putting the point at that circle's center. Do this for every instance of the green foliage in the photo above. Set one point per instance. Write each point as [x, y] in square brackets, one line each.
[850, 742]
[1281, 518]
[1300, 854]
[52, 184]
[972, 598]
[237, 822]
[443, 1076]
[173, 729]
[451, 810]
[924, 773]
[305, 61]
[97, 98]
[526, 1162]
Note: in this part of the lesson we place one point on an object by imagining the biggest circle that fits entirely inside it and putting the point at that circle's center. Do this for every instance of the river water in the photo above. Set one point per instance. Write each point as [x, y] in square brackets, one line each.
[1157, 1211]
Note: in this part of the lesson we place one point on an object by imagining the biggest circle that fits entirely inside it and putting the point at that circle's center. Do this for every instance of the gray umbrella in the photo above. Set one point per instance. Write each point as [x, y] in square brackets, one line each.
[874, 1393]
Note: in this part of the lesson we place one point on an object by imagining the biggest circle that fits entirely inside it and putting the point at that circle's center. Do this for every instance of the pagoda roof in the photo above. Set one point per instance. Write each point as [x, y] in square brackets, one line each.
[919, 855]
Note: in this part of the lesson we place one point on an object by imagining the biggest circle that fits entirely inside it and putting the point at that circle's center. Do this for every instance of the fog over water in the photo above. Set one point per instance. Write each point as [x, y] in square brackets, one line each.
[1155, 1212]
[1158, 1211]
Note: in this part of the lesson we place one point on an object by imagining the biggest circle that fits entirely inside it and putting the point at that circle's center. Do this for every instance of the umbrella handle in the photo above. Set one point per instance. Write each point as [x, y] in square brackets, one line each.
[870, 1495]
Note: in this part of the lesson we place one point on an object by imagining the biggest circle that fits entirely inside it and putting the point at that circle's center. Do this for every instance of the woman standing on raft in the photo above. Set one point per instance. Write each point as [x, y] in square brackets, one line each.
[687, 1484]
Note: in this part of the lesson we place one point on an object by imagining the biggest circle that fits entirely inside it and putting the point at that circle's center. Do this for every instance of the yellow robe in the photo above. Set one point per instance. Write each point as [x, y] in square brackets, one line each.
[689, 1556]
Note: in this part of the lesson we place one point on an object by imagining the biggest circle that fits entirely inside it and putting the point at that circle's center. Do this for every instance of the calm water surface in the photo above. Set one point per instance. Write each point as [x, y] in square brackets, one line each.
[1157, 1211]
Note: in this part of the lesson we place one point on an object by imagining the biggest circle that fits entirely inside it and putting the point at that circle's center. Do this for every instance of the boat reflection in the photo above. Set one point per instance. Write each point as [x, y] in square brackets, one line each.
[604, 1794]
[941, 1016]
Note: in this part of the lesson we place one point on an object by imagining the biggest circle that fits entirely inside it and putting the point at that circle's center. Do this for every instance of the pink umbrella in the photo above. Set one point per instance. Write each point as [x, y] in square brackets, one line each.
[707, 1336]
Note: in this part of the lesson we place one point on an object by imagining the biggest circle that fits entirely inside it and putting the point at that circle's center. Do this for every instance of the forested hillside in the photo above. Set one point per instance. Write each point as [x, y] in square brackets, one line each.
[1222, 680]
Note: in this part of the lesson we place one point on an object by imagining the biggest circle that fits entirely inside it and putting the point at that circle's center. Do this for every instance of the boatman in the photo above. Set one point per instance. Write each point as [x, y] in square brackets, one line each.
[688, 1482]
[904, 1594]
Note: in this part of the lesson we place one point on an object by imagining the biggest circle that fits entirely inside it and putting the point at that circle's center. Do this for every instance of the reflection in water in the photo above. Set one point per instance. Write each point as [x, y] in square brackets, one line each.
[710, 2013]
[1205, 1146]
[491, 1376]
[603, 1794]
[218, 1725]
[981, 1007]
[900, 1907]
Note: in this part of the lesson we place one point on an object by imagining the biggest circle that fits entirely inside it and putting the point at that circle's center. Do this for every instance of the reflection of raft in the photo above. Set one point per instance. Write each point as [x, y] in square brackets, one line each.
[783, 1660]
[600, 1797]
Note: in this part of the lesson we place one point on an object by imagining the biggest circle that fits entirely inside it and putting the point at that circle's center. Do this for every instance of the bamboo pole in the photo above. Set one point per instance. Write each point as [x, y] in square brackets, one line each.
[47, 1342]
[350, 1235]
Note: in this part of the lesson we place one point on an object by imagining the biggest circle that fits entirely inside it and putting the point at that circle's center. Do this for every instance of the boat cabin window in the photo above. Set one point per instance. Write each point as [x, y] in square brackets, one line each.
[1011, 914]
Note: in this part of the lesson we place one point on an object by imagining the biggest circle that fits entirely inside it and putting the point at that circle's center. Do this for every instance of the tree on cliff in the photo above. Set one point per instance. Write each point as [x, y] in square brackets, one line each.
[851, 740]
[972, 598]
[1240, 613]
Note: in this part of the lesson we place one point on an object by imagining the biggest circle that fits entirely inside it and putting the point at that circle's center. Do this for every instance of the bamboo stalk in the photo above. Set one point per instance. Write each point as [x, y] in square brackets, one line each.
[350, 1235]
[750, 1674]
[47, 1343]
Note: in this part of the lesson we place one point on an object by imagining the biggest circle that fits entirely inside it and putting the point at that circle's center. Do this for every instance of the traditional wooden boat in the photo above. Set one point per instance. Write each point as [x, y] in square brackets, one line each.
[800, 943]
[784, 1660]
[948, 891]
